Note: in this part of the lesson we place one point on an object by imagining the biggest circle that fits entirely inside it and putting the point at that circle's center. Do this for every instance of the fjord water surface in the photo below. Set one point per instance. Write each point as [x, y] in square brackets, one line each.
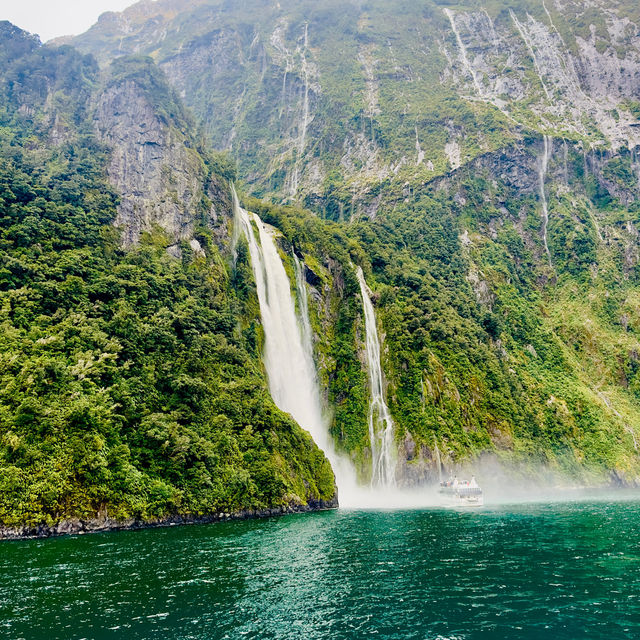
[565, 570]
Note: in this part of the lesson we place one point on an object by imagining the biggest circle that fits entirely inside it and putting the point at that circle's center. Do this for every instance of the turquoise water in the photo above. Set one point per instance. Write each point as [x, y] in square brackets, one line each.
[569, 570]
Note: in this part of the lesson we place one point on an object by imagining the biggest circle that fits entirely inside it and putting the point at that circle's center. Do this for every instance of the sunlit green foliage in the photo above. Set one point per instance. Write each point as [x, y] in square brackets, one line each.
[127, 386]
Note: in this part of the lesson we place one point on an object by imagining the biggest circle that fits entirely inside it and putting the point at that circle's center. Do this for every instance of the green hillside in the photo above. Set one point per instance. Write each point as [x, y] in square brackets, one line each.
[130, 386]
[479, 162]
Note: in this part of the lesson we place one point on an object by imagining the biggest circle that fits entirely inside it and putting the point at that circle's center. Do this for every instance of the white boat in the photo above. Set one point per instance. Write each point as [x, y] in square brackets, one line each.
[457, 493]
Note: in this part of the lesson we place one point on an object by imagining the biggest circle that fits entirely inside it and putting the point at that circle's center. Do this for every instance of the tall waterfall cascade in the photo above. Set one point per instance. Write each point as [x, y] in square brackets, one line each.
[381, 427]
[237, 224]
[288, 344]
[292, 376]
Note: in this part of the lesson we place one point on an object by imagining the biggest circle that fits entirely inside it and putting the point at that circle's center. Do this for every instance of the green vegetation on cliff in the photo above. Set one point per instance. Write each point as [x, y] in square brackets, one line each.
[126, 387]
[131, 382]
[487, 347]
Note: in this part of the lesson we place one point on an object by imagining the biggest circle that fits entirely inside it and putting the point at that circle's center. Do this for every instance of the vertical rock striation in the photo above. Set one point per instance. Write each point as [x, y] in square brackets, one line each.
[160, 176]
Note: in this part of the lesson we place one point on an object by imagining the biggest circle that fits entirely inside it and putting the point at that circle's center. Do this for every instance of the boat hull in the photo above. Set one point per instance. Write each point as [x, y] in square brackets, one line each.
[461, 501]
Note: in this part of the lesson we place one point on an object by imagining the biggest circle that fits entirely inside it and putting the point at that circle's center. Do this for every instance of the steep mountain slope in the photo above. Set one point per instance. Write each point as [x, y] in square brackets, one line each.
[329, 103]
[130, 381]
[478, 162]
[491, 345]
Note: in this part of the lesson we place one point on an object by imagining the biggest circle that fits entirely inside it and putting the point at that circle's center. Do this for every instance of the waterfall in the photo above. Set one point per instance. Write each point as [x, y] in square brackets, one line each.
[303, 302]
[528, 41]
[293, 380]
[463, 51]
[381, 428]
[305, 101]
[288, 346]
[438, 459]
[543, 166]
[306, 120]
[419, 150]
[237, 224]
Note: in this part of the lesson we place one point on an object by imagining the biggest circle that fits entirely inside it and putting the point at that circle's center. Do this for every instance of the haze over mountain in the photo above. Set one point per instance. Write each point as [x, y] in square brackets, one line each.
[56, 18]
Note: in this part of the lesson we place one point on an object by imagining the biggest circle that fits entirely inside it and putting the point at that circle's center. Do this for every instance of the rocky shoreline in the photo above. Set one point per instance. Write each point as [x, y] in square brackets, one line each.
[76, 526]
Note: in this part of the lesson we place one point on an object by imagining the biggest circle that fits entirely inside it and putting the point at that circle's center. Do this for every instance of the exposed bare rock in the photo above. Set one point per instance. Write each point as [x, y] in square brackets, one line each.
[481, 288]
[313, 106]
[580, 90]
[160, 179]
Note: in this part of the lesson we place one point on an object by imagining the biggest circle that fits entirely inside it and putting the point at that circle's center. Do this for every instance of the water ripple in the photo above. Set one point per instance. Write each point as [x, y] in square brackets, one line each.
[535, 571]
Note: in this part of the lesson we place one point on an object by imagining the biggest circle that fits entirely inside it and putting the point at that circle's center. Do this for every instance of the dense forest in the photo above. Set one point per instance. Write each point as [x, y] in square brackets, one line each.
[129, 384]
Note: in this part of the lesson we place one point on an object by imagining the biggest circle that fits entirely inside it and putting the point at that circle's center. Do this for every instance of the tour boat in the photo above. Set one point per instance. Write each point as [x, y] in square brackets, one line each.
[461, 493]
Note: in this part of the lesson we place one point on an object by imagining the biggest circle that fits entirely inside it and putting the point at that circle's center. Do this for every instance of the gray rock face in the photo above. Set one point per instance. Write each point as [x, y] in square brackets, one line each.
[324, 104]
[576, 87]
[160, 179]
[285, 101]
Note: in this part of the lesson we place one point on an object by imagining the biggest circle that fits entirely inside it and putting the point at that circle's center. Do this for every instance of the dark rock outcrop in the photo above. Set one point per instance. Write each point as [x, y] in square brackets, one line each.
[161, 179]
[104, 523]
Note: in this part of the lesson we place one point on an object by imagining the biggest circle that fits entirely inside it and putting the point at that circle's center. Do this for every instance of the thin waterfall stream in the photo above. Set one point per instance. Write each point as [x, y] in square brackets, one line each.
[381, 427]
[463, 51]
[543, 167]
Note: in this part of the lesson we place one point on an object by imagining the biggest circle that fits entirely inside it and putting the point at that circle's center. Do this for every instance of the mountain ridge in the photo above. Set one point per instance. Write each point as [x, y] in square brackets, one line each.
[393, 93]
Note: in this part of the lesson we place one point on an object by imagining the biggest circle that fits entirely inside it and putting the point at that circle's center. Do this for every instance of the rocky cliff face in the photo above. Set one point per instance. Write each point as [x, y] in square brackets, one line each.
[136, 351]
[329, 103]
[578, 89]
[161, 178]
